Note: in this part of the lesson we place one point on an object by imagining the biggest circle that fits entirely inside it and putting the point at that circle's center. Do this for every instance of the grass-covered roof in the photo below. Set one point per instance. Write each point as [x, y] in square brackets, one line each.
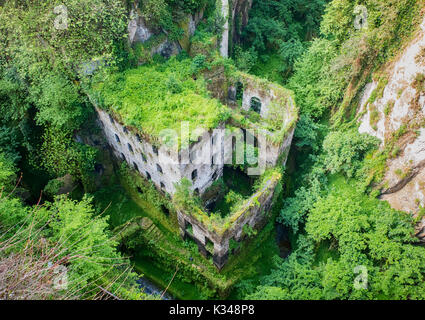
[160, 96]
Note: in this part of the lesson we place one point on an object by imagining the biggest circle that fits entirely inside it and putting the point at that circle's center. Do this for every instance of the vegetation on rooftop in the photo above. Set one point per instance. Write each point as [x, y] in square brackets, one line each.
[161, 96]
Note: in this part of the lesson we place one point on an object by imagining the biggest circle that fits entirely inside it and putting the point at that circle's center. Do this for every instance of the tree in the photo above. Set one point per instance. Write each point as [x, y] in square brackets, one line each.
[45, 46]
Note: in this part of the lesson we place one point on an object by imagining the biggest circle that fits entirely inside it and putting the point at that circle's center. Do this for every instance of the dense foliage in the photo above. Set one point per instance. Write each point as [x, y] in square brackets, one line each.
[347, 244]
[44, 48]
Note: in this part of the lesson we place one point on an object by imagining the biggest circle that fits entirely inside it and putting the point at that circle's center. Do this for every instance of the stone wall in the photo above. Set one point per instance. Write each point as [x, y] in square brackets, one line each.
[278, 155]
[163, 165]
[265, 97]
[253, 213]
[224, 45]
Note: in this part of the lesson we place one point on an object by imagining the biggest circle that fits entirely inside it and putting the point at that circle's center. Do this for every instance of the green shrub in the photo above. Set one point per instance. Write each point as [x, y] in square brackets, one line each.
[344, 151]
[161, 96]
[53, 186]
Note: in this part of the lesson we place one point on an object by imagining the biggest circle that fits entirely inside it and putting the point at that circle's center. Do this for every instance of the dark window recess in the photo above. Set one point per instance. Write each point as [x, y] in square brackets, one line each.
[155, 150]
[123, 157]
[249, 137]
[117, 138]
[138, 138]
[135, 166]
[111, 119]
[158, 167]
[130, 148]
[212, 161]
[144, 157]
[214, 176]
[239, 91]
[148, 176]
[256, 104]
[162, 186]
[165, 210]
[125, 130]
[196, 192]
[194, 175]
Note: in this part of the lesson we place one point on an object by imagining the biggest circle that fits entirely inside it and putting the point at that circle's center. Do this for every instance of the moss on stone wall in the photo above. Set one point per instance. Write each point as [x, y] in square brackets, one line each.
[160, 97]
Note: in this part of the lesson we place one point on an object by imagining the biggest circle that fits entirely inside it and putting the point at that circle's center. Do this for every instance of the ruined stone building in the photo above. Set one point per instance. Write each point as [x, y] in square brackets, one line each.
[249, 116]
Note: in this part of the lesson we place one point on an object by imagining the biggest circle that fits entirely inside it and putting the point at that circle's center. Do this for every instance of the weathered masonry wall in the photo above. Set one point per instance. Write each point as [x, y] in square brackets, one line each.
[268, 96]
[162, 166]
[278, 155]
[254, 213]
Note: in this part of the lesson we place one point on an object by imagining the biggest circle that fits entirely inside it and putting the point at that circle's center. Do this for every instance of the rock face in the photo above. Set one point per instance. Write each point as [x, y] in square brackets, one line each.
[137, 29]
[395, 106]
[236, 18]
[235, 14]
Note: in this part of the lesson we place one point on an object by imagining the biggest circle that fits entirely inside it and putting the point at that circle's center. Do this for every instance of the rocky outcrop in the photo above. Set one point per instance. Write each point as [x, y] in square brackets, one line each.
[140, 32]
[393, 110]
[240, 17]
